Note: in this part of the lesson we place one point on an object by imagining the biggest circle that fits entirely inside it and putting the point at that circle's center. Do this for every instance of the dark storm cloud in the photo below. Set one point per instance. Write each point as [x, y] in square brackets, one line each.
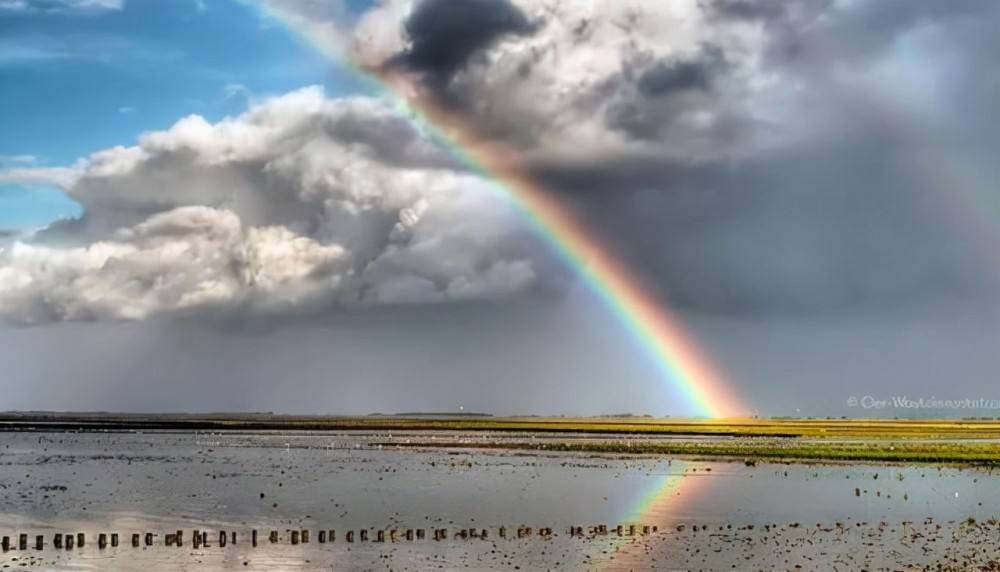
[858, 30]
[652, 92]
[746, 9]
[850, 216]
[444, 34]
[815, 231]
[668, 76]
[864, 29]
[884, 20]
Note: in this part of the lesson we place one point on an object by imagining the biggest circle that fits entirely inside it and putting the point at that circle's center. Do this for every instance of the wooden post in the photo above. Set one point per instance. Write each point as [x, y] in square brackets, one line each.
[273, 537]
[5, 543]
[364, 535]
[331, 535]
[253, 538]
[135, 540]
[22, 542]
[222, 539]
[170, 539]
[149, 539]
[350, 536]
[409, 535]
[420, 534]
[631, 530]
[69, 542]
[179, 538]
[79, 539]
[102, 541]
[380, 536]
[305, 537]
[295, 537]
[392, 535]
[645, 529]
[114, 539]
[232, 538]
[196, 539]
[57, 540]
[620, 530]
[503, 532]
[39, 542]
[321, 537]
[484, 534]
[204, 539]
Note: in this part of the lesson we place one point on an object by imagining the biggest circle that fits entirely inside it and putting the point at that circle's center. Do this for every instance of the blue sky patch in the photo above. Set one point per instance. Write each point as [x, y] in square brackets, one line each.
[83, 76]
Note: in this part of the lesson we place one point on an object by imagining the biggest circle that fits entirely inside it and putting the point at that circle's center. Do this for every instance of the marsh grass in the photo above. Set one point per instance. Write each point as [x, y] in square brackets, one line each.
[980, 454]
[971, 442]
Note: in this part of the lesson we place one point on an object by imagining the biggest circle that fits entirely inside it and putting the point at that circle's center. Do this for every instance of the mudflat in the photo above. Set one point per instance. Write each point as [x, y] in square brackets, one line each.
[482, 502]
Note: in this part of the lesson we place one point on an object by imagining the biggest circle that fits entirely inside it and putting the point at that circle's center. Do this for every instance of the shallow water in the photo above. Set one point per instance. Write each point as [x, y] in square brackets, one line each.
[160, 482]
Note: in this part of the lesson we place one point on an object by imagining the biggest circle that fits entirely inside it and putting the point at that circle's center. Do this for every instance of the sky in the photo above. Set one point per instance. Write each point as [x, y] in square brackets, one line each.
[92, 75]
[201, 210]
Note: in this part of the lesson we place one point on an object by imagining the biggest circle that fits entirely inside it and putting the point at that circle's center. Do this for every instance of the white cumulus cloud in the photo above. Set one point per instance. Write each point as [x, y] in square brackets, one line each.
[301, 202]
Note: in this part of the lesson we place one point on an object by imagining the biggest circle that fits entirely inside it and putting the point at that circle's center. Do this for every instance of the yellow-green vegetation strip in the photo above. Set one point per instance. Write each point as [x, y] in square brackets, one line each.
[984, 454]
[815, 428]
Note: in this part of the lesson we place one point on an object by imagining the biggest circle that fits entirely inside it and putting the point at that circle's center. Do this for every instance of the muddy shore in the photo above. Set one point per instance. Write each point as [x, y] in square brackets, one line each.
[708, 515]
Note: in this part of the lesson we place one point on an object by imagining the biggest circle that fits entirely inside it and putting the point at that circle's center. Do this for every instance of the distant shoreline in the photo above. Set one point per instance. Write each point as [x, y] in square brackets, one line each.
[748, 427]
[962, 442]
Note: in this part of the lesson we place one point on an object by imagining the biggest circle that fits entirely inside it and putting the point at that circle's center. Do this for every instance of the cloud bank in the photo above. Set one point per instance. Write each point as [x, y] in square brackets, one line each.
[302, 202]
[746, 156]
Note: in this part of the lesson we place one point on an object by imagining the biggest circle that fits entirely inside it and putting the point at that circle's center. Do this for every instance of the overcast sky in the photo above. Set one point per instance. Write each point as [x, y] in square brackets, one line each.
[191, 224]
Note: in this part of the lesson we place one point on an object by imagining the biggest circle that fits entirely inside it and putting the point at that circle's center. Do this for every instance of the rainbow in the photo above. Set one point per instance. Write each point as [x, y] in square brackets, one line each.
[658, 333]
[659, 505]
[672, 350]
[655, 502]
[954, 195]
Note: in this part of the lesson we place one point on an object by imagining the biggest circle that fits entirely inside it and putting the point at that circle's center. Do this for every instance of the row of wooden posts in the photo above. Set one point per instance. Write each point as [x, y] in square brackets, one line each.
[200, 538]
